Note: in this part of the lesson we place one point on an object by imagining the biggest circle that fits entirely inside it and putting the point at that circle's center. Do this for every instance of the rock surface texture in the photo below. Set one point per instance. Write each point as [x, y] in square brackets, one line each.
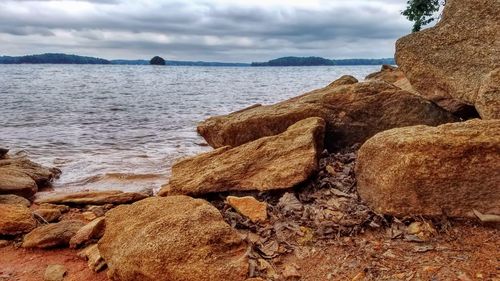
[392, 75]
[450, 62]
[451, 169]
[488, 99]
[94, 198]
[276, 162]
[249, 207]
[14, 199]
[15, 219]
[23, 177]
[52, 235]
[353, 113]
[173, 238]
[92, 230]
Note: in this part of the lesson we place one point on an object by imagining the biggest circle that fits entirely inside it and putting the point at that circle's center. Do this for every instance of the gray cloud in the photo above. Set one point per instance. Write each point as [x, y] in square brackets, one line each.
[205, 30]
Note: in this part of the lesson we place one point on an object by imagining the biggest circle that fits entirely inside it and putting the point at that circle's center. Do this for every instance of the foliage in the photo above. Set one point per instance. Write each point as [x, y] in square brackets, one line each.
[52, 58]
[422, 12]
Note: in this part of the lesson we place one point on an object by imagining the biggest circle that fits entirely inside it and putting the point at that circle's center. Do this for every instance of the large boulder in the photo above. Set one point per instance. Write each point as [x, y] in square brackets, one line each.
[52, 235]
[449, 63]
[488, 99]
[94, 198]
[353, 113]
[275, 162]
[15, 219]
[451, 169]
[172, 238]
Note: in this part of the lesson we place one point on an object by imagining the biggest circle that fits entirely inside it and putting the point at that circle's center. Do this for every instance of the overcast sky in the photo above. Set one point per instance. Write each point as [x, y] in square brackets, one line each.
[210, 30]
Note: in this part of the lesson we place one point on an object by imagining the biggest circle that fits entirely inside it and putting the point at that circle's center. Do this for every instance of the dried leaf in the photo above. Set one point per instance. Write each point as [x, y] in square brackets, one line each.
[288, 202]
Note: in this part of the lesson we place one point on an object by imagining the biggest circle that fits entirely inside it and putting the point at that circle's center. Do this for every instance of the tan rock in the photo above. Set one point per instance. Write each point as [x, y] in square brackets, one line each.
[55, 272]
[488, 99]
[249, 207]
[353, 113]
[89, 215]
[393, 75]
[343, 80]
[4, 243]
[93, 257]
[16, 182]
[49, 215]
[40, 174]
[448, 62]
[62, 208]
[276, 162]
[14, 199]
[172, 238]
[15, 219]
[423, 230]
[92, 230]
[451, 169]
[52, 235]
[94, 198]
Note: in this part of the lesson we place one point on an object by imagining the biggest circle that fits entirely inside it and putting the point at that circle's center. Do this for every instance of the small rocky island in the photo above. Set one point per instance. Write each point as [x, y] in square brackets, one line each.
[383, 179]
[157, 61]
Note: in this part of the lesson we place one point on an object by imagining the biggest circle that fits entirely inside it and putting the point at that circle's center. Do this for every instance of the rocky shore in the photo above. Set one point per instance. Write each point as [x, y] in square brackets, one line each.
[392, 178]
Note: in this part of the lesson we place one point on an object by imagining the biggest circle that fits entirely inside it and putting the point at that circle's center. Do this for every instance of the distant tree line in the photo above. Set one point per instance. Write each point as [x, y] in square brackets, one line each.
[53, 58]
[315, 61]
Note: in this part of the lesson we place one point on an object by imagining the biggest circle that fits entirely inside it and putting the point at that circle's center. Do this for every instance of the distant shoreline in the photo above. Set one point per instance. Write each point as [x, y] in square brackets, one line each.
[56, 58]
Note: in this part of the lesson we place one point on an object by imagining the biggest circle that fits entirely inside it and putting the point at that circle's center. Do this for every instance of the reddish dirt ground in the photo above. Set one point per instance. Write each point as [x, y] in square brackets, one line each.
[464, 252]
[29, 265]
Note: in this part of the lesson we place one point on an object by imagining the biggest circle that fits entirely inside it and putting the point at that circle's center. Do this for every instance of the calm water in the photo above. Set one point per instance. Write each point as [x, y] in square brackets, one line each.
[123, 126]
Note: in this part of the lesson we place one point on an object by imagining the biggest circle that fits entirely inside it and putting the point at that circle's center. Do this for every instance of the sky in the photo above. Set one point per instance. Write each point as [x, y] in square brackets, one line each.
[209, 30]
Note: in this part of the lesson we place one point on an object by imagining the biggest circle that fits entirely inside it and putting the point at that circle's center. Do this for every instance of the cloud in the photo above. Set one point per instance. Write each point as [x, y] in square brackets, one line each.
[206, 30]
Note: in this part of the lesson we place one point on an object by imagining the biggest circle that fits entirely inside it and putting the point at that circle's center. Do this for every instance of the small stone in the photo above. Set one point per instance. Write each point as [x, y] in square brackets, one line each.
[249, 207]
[99, 211]
[54, 272]
[62, 208]
[89, 216]
[93, 257]
[49, 215]
[14, 199]
[92, 230]
[423, 230]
